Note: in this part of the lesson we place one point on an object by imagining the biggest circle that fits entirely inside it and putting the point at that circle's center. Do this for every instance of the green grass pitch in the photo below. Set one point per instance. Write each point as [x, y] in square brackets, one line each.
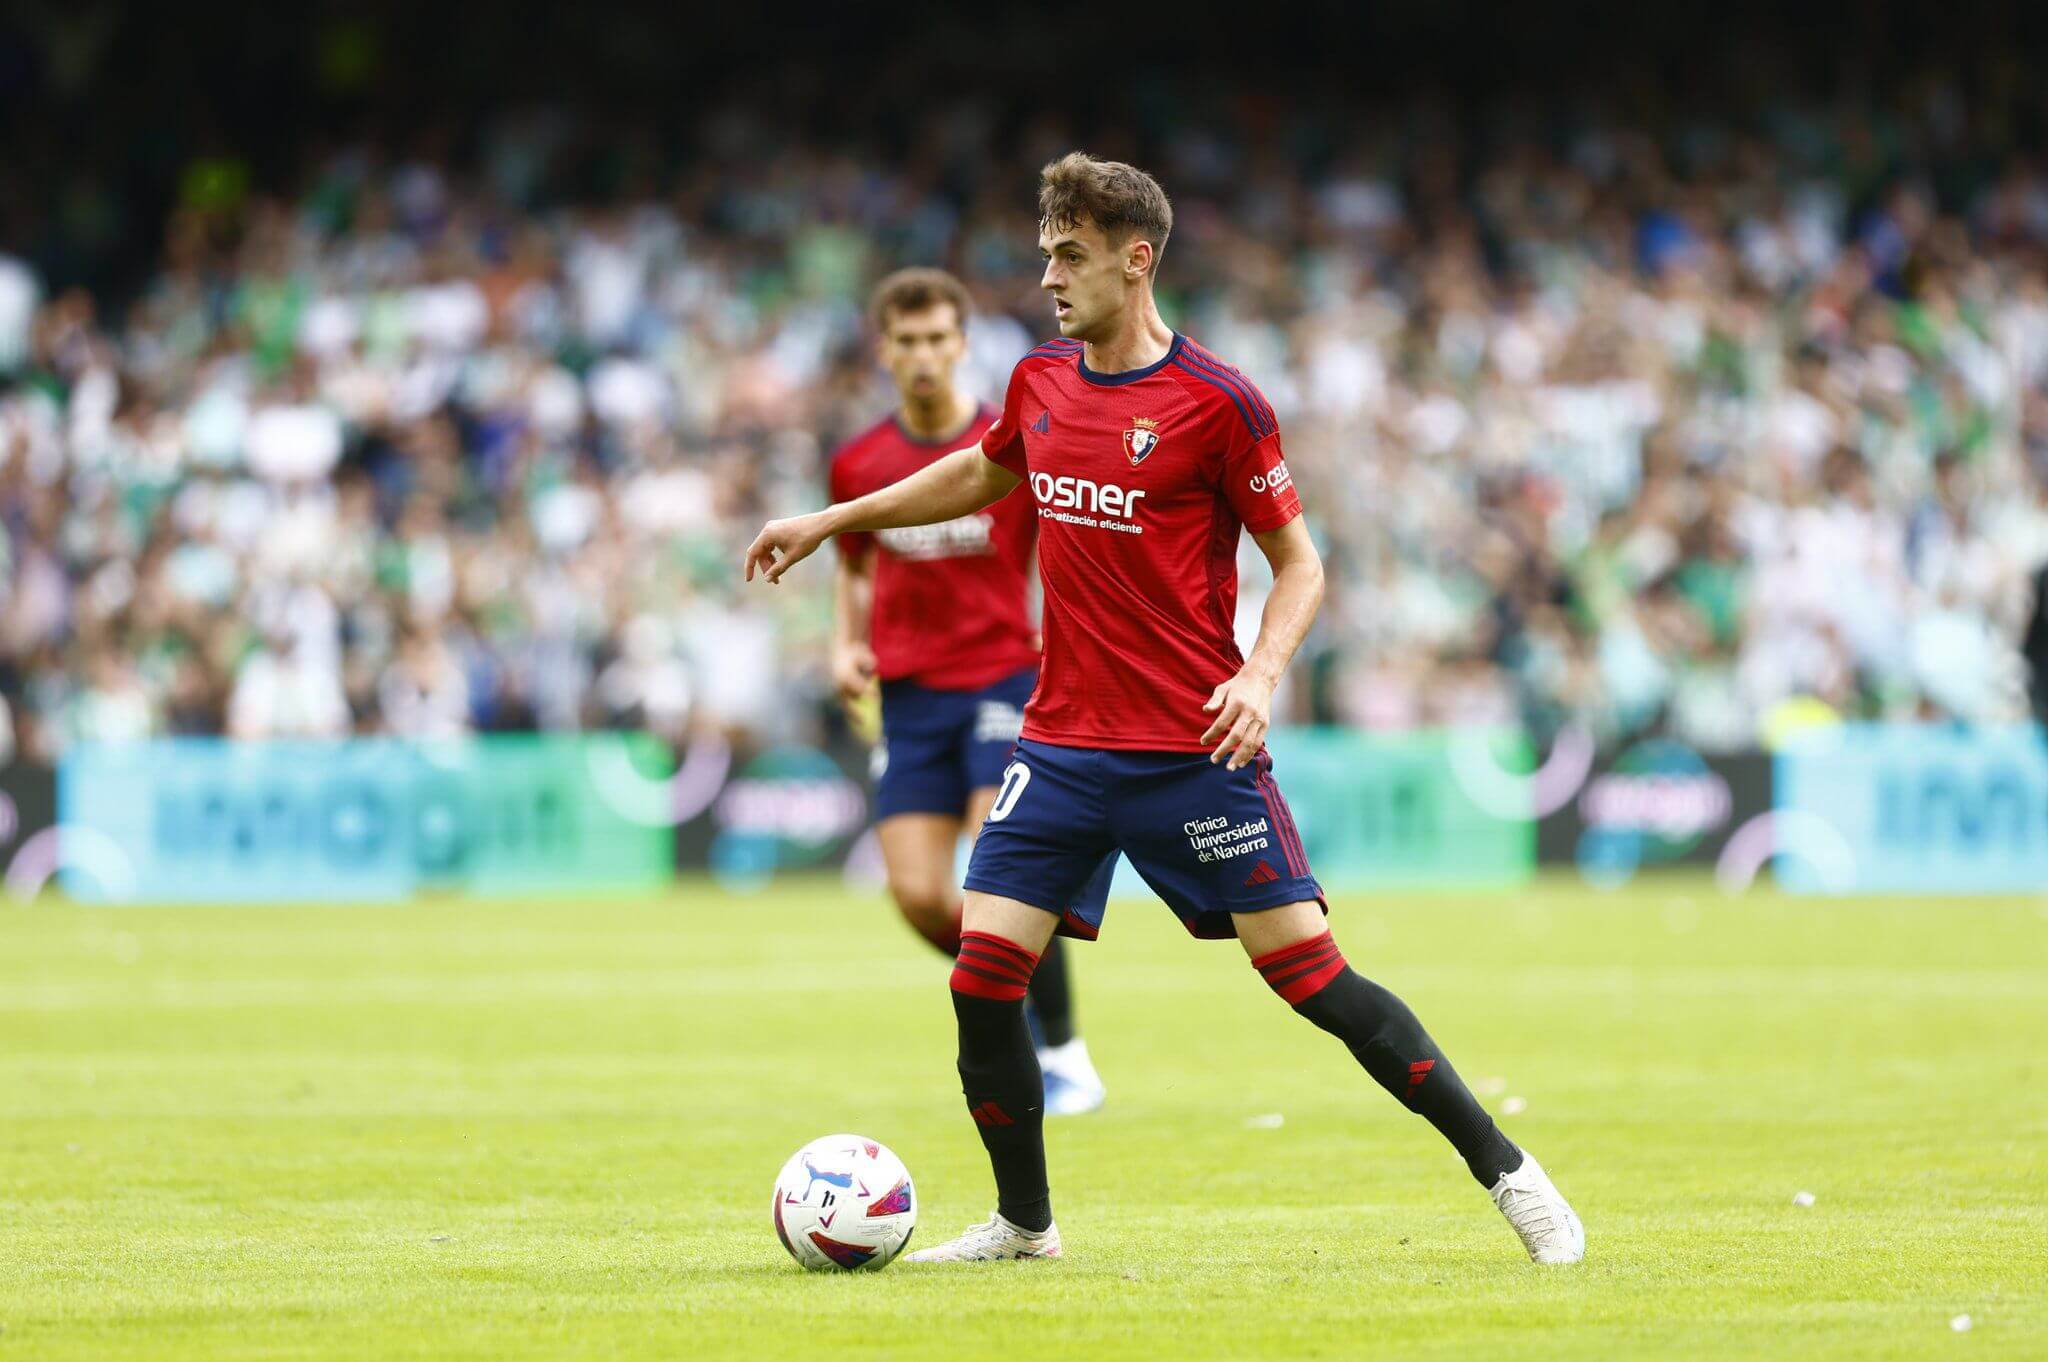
[462, 1130]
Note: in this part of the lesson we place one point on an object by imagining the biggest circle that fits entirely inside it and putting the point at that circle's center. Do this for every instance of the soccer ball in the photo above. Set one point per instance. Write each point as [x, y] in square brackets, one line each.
[844, 1203]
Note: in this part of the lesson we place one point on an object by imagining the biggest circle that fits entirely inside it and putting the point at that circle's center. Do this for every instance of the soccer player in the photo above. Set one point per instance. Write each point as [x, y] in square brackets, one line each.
[938, 613]
[1146, 456]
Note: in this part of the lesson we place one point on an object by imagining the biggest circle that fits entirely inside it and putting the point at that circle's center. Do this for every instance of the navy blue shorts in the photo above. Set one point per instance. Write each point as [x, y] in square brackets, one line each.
[1210, 841]
[937, 745]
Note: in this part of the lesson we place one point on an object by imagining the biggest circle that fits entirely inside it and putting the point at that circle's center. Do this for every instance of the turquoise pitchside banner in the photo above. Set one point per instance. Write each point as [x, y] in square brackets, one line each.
[208, 820]
[1912, 809]
[1432, 809]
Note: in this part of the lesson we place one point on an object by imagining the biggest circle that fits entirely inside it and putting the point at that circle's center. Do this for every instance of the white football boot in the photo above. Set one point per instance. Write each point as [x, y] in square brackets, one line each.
[993, 1239]
[1072, 1087]
[1550, 1229]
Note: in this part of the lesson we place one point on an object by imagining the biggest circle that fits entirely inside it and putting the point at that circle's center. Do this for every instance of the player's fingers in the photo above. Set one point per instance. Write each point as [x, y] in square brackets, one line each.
[1215, 698]
[1231, 738]
[1222, 722]
[1248, 745]
[761, 556]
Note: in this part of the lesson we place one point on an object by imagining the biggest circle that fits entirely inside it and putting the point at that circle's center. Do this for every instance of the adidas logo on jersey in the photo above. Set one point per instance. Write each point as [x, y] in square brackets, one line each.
[1043, 425]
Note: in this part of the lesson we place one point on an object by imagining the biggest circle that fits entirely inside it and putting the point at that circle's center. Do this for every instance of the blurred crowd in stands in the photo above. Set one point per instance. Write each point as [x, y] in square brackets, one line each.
[1650, 431]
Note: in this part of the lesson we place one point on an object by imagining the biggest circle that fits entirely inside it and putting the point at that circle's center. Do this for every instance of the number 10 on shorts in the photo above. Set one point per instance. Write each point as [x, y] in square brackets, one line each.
[1015, 777]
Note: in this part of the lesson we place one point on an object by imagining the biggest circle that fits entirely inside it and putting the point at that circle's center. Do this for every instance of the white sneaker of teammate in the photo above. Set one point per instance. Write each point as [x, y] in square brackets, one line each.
[992, 1240]
[1550, 1229]
[1072, 1087]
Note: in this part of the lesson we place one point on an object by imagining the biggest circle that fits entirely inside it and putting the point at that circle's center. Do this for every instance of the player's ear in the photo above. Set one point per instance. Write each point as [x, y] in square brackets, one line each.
[1138, 259]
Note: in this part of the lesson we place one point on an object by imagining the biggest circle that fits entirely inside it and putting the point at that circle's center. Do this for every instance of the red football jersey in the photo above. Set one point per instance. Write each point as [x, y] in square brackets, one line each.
[949, 608]
[1142, 481]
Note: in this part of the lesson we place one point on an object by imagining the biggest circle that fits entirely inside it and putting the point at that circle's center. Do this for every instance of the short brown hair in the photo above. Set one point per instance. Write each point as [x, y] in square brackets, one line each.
[1120, 199]
[914, 290]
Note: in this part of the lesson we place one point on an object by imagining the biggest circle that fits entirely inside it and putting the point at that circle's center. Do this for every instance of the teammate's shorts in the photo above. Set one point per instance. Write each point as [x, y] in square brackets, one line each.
[1210, 841]
[937, 745]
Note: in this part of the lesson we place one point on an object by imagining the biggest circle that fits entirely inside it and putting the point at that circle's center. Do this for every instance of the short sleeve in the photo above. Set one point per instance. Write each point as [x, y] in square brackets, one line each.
[1260, 488]
[1003, 442]
[854, 544]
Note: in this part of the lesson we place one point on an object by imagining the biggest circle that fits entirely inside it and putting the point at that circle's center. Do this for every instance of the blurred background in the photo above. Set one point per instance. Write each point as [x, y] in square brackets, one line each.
[1665, 390]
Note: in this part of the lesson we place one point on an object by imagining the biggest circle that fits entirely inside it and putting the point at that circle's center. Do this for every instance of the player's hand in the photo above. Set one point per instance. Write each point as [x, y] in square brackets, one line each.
[853, 670]
[1243, 707]
[784, 543]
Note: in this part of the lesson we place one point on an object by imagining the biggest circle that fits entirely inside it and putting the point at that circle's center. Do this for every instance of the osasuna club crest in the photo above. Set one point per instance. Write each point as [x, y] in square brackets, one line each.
[1141, 439]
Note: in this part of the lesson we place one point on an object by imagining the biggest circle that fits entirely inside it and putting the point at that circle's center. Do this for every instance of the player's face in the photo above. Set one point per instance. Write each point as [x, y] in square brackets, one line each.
[920, 350]
[1091, 282]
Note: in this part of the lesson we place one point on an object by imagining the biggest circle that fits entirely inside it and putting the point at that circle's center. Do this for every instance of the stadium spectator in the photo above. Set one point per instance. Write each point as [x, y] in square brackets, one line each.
[1592, 423]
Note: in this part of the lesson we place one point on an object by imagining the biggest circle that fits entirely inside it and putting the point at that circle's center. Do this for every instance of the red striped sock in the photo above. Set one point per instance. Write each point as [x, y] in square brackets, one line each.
[1302, 970]
[990, 967]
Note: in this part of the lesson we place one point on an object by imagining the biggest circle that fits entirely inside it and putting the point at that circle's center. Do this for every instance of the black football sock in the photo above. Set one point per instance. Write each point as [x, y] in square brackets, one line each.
[999, 1073]
[1392, 1046]
[1052, 996]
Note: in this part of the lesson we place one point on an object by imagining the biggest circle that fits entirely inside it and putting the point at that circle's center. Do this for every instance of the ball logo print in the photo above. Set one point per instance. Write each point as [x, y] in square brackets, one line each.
[843, 1203]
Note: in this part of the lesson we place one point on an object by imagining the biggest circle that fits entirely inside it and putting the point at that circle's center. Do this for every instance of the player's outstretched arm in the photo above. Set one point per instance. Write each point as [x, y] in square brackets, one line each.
[960, 484]
[1243, 705]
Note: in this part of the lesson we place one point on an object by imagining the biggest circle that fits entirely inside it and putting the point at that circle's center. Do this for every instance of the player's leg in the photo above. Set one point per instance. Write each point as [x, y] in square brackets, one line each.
[1294, 951]
[918, 851]
[1296, 954]
[919, 794]
[1000, 942]
[1072, 1087]
[1220, 847]
[1041, 843]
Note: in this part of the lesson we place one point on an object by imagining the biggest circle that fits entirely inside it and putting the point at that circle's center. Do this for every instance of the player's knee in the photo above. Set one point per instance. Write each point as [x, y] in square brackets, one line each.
[927, 904]
[992, 968]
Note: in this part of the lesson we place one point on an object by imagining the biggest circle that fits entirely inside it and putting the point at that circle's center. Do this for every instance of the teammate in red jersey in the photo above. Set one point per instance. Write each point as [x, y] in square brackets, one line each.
[1147, 457]
[938, 614]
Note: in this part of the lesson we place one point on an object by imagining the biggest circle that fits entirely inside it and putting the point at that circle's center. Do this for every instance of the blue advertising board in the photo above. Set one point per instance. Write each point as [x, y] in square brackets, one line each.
[1913, 809]
[207, 820]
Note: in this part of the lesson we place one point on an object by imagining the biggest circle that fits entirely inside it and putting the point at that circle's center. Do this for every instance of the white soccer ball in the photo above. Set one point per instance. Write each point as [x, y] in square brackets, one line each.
[844, 1203]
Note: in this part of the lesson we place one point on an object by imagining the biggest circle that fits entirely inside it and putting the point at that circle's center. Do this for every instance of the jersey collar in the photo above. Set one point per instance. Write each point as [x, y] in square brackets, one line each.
[1129, 375]
[974, 413]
